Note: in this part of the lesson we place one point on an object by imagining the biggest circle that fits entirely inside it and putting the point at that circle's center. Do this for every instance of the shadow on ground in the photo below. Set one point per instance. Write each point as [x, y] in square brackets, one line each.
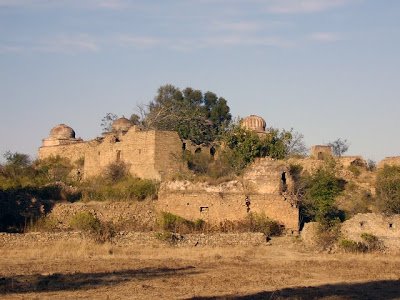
[59, 282]
[385, 289]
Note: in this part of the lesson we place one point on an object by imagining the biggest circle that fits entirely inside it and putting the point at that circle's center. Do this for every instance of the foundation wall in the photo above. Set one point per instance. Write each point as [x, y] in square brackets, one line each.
[217, 207]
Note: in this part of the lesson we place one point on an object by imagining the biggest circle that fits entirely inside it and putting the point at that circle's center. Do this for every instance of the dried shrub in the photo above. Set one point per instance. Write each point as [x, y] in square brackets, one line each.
[127, 188]
[353, 246]
[175, 223]
[44, 224]
[88, 223]
[327, 234]
[372, 242]
[115, 171]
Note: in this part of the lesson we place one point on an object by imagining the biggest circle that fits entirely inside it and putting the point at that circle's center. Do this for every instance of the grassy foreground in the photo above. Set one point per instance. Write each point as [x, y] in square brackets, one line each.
[81, 269]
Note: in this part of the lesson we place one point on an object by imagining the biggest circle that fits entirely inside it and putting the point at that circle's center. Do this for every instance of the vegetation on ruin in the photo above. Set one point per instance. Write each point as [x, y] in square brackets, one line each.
[253, 222]
[88, 223]
[388, 189]
[319, 192]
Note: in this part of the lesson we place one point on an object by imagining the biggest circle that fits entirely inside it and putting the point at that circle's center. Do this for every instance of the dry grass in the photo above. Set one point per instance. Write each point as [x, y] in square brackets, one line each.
[77, 269]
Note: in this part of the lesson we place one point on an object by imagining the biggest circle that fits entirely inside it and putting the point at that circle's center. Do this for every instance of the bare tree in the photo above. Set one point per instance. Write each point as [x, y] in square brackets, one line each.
[339, 146]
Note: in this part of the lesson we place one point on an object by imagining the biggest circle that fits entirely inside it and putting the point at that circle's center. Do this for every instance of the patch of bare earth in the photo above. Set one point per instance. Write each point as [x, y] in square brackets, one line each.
[80, 269]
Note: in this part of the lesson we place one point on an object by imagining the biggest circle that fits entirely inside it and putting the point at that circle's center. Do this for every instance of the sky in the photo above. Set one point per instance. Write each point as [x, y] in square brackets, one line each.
[327, 68]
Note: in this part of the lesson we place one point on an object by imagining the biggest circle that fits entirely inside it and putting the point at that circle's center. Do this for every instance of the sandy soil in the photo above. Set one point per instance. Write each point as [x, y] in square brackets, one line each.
[282, 270]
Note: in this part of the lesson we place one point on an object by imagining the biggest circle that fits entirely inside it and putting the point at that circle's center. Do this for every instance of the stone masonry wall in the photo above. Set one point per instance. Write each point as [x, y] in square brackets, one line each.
[73, 152]
[216, 206]
[136, 149]
[390, 161]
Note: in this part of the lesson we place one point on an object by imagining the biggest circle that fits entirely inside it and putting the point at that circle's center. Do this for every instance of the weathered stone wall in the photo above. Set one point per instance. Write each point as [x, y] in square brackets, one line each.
[348, 161]
[168, 154]
[390, 161]
[133, 215]
[386, 228]
[321, 151]
[267, 175]
[135, 148]
[224, 202]
[73, 152]
[149, 154]
[141, 239]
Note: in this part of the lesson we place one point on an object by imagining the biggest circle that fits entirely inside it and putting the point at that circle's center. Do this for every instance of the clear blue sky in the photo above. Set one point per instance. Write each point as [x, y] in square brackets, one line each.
[327, 68]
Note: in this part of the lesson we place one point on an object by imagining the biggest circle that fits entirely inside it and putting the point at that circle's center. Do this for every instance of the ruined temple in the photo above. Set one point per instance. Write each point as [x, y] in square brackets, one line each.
[265, 188]
[150, 154]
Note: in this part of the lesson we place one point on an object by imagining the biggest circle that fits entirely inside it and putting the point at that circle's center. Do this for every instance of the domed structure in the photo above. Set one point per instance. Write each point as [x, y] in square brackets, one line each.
[254, 123]
[121, 124]
[61, 132]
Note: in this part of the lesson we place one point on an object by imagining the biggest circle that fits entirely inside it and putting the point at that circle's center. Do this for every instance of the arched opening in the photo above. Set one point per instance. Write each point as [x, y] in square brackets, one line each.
[197, 151]
[183, 146]
[320, 155]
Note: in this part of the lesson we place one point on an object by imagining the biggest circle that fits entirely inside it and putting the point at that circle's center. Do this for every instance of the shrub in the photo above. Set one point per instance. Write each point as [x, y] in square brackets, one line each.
[328, 232]
[127, 188]
[319, 192]
[85, 221]
[353, 246]
[175, 223]
[372, 242]
[44, 224]
[388, 189]
[261, 223]
[91, 225]
[115, 171]
[355, 170]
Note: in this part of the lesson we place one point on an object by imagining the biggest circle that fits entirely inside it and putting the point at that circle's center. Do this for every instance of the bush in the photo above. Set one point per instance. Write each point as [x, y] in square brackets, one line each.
[372, 242]
[91, 225]
[353, 246]
[355, 170]
[388, 189]
[127, 188]
[44, 224]
[261, 223]
[85, 221]
[328, 232]
[115, 171]
[319, 193]
[175, 223]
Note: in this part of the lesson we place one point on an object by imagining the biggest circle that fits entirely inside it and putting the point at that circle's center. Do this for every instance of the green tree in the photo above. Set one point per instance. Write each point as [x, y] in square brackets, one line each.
[388, 189]
[194, 116]
[17, 164]
[319, 193]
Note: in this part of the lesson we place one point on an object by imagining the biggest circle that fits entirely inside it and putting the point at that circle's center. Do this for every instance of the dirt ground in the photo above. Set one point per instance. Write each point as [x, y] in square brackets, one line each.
[282, 270]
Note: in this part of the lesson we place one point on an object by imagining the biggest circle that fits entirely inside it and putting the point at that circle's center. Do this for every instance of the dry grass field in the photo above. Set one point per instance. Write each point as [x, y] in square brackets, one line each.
[73, 269]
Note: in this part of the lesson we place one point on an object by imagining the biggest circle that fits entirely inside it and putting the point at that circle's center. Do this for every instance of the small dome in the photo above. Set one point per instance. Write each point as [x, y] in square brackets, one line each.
[254, 123]
[62, 131]
[121, 124]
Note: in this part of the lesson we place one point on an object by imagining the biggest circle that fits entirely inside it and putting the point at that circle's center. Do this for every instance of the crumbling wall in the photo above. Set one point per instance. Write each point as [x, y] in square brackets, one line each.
[386, 228]
[148, 154]
[225, 202]
[73, 152]
[321, 151]
[267, 175]
[390, 161]
[135, 148]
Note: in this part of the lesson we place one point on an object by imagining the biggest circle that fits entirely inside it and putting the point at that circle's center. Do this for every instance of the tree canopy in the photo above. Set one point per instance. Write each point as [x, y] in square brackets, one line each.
[196, 116]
